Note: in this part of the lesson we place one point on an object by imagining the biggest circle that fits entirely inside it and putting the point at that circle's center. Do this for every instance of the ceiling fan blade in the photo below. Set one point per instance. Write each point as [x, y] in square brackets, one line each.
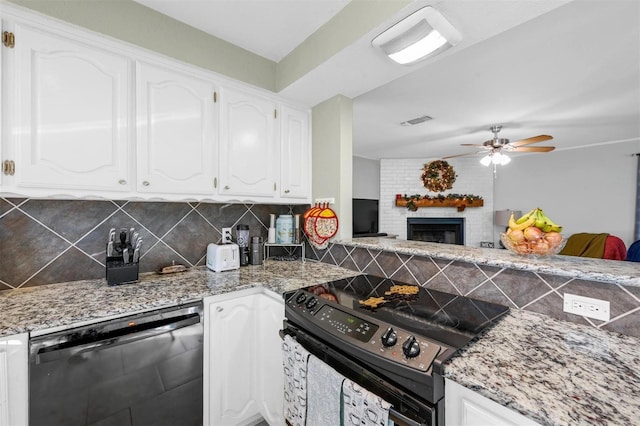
[534, 149]
[461, 155]
[471, 144]
[534, 139]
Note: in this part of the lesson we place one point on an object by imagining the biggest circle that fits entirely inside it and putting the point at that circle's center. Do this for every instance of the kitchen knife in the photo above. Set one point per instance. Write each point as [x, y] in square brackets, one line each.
[125, 255]
[112, 235]
[131, 232]
[110, 247]
[134, 239]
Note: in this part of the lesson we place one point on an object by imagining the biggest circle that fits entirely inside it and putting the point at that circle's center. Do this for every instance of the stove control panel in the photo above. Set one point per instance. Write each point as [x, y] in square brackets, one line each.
[384, 340]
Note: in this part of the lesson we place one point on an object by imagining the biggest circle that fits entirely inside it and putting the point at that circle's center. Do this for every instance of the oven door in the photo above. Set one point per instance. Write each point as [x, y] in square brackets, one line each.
[406, 410]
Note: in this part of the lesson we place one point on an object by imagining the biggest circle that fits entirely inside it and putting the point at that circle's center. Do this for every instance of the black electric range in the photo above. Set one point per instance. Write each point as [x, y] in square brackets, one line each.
[399, 334]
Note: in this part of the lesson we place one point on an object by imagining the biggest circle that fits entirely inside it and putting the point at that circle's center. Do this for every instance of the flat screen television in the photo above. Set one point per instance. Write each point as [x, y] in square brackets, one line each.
[365, 217]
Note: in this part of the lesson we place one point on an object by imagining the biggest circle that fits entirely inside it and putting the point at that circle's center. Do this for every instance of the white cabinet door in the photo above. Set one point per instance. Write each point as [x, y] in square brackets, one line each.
[71, 118]
[295, 154]
[270, 369]
[177, 132]
[249, 156]
[14, 380]
[229, 353]
[464, 407]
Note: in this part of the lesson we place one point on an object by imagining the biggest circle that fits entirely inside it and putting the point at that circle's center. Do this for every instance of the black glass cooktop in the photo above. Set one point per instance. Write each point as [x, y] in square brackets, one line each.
[448, 318]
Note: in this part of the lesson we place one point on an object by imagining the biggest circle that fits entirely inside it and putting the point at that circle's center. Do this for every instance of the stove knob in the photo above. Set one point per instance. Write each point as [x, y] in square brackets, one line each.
[301, 298]
[312, 302]
[389, 337]
[411, 347]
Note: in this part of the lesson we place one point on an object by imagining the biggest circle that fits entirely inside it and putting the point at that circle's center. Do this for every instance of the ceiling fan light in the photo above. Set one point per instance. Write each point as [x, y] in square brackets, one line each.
[500, 159]
[486, 160]
[419, 35]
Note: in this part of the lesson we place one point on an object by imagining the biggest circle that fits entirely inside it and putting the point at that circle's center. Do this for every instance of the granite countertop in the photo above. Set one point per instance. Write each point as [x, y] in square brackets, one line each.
[54, 306]
[547, 369]
[610, 271]
[554, 372]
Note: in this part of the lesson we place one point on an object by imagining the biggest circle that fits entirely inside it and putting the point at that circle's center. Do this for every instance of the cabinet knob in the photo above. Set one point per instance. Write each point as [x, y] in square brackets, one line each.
[219, 309]
[122, 182]
[145, 183]
[286, 191]
[226, 187]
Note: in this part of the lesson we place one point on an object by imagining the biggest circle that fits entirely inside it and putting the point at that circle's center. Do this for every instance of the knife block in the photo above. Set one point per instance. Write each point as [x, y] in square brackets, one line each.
[119, 272]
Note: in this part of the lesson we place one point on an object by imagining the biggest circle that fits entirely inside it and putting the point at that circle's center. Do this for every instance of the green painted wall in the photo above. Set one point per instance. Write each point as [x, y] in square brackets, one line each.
[356, 19]
[130, 21]
[332, 157]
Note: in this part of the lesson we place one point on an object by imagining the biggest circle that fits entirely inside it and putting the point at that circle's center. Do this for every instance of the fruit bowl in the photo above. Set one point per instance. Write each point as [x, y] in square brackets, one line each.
[535, 248]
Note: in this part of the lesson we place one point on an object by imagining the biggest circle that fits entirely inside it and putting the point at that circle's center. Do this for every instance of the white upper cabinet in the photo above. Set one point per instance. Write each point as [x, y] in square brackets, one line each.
[177, 132]
[295, 154]
[84, 115]
[249, 154]
[70, 113]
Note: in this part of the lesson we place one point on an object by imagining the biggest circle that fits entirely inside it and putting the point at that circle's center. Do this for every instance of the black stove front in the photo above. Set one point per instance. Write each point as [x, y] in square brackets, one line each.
[392, 335]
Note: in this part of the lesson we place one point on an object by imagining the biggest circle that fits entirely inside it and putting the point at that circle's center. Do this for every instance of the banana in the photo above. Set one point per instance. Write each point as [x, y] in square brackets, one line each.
[540, 219]
[520, 226]
[525, 217]
[546, 224]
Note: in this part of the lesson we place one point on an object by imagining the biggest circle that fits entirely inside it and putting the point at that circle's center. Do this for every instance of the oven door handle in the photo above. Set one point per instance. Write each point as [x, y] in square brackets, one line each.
[399, 418]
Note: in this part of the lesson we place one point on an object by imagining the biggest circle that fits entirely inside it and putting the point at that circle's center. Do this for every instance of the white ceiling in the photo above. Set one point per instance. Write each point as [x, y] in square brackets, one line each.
[570, 69]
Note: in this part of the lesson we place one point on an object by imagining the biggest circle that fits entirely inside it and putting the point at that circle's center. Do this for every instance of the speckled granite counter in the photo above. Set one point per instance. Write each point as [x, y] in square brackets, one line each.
[610, 271]
[547, 369]
[59, 305]
[555, 372]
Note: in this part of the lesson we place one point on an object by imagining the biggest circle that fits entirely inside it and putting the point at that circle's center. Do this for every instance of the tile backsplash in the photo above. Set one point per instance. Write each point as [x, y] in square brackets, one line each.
[49, 241]
[542, 293]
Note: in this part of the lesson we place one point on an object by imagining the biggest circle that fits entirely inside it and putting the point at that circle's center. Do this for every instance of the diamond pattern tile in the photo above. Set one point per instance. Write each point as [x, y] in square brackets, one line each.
[517, 289]
[172, 232]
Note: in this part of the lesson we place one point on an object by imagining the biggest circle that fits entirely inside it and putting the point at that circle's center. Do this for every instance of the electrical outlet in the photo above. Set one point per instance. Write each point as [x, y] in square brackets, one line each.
[226, 236]
[587, 307]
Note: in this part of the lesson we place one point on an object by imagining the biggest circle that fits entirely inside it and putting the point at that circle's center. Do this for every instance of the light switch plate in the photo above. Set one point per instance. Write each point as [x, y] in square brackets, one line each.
[587, 307]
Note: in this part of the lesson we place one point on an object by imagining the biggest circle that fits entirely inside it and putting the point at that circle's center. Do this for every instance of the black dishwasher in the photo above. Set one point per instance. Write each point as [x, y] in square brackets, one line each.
[144, 369]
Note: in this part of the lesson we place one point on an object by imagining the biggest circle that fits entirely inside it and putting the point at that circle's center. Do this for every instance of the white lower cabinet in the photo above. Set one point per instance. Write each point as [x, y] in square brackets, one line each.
[243, 361]
[464, 407]
[14, 380]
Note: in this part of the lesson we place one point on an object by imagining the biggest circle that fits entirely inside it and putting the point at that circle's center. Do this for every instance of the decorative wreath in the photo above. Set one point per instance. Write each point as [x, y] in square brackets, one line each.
[438, 176]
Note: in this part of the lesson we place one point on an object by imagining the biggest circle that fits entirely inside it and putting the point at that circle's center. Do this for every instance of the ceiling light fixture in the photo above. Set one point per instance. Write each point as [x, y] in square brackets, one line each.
[422, 34]
[495, 158]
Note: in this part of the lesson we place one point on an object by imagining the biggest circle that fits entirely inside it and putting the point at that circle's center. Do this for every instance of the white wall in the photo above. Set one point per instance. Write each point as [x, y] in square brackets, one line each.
[585, 190]
[402, 176]
[366, 178]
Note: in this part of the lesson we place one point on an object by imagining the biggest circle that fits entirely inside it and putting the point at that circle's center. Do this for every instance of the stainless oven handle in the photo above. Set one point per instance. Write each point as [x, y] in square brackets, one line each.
[395, 414]
[122, 335]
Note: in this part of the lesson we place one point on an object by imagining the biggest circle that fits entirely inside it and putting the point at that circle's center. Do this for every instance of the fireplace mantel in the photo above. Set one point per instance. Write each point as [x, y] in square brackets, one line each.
[459, 203]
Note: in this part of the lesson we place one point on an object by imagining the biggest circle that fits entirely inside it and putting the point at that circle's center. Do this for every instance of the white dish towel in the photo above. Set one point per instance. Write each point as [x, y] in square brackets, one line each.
[324, 385]
[295, 359]
[363, 408]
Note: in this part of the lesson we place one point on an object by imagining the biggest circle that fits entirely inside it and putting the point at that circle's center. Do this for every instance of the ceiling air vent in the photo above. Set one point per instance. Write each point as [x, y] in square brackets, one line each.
[415, 121]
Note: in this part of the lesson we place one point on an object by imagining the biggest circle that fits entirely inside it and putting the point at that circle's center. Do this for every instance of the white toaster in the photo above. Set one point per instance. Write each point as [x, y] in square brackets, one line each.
[223, 257]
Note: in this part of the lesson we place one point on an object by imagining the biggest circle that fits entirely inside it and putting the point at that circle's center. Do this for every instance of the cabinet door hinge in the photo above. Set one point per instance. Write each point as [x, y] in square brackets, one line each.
[9, 167]
[215, 97]
[275, 113]
[9, 39]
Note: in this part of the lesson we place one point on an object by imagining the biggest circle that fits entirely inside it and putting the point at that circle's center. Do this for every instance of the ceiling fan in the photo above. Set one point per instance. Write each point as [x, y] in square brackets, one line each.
[494, 147]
